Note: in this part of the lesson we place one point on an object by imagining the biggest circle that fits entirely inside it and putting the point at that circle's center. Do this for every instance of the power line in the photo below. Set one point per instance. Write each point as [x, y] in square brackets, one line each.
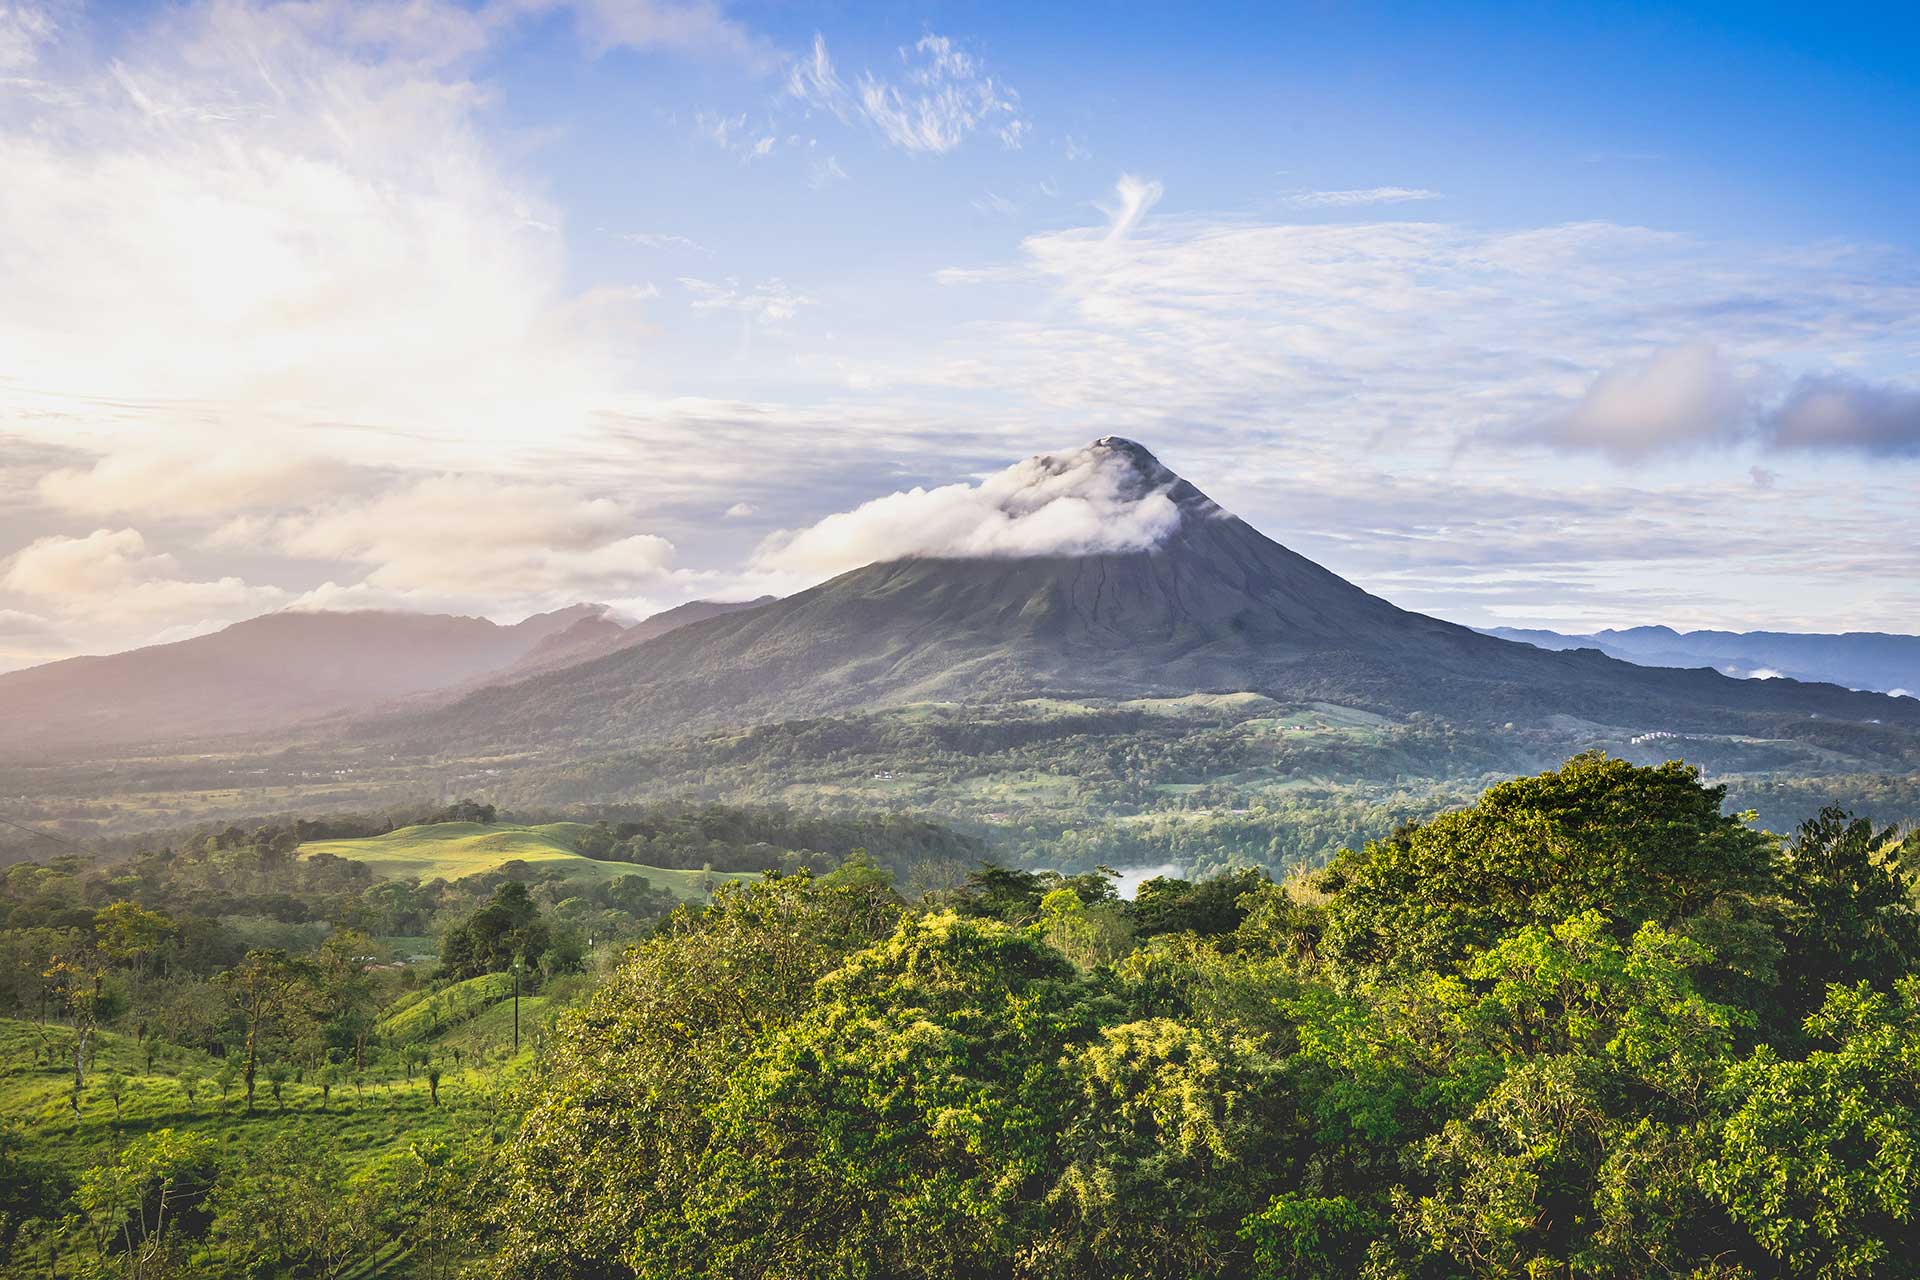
[49, 835]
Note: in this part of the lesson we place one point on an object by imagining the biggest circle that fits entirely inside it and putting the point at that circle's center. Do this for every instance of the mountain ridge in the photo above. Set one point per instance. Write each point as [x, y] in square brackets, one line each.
[1880, 661]
[292, 669]
[1212, 606]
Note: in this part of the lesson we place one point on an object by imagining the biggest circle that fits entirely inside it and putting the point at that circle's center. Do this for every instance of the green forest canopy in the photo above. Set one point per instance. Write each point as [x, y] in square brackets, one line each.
[1588, 1025]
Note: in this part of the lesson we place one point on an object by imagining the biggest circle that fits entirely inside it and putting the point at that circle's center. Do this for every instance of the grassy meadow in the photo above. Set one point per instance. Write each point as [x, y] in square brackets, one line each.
[456, 850]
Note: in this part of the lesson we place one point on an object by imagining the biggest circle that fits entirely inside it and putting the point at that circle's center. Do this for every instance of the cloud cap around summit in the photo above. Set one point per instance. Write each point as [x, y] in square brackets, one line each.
[1106, 497]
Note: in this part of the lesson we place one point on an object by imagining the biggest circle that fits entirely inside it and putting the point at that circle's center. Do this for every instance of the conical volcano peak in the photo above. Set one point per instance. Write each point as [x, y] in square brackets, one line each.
[1133, 451]
[1117, 455]
[1108, 497]
[1125, 466]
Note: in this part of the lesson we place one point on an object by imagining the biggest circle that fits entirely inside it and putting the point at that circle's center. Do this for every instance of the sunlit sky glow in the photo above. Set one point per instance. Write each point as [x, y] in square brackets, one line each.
[489, 307]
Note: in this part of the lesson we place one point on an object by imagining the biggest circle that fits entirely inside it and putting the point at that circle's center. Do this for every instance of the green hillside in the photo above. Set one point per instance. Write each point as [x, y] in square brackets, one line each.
[371, 1123]
[476, 1014]
[454, 850]
[421, 1017]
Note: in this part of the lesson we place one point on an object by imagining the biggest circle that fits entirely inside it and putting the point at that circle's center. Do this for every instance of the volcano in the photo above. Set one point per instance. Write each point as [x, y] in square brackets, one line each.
[1202, 602]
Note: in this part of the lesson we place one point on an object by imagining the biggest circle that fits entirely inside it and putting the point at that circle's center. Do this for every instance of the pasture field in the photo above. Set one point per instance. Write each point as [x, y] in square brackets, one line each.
[455, 850]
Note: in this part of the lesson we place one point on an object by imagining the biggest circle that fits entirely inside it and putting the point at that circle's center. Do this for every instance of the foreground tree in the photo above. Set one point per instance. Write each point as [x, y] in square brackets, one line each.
[621, 1114]
[148, 1204]
[1587, 1066]
[1171, 1135]
[1821, 1160]
[294, 1211]
[905, 1125]
[1853, 915]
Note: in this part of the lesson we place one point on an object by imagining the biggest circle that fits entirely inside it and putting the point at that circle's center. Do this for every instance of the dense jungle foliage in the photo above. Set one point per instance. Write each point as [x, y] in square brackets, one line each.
[1591, 1024]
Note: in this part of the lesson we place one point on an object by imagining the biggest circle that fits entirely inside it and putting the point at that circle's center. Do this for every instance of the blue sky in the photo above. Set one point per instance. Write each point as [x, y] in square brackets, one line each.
[1567, 315]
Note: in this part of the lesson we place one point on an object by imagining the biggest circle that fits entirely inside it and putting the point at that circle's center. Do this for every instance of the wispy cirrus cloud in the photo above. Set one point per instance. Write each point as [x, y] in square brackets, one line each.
[941, 97]
[25, 29]
[1360, 196]
[664, 240]
[769, 302]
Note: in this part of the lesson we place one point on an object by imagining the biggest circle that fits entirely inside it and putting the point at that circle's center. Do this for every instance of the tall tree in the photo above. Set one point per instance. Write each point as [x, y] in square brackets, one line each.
[1635, 844]
[1854, 916]
[269, 989]
[130, 934]
[78, 981]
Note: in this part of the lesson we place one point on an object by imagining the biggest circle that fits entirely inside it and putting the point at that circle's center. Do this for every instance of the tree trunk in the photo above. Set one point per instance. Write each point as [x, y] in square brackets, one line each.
[80, 1038]
[252, 1062]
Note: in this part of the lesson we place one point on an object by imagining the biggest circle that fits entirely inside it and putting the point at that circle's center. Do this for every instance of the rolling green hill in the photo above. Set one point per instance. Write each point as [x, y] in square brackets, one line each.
[454, 850]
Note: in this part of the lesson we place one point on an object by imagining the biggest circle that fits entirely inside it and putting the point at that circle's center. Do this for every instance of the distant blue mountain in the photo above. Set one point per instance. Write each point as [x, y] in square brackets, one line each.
[1857, 659]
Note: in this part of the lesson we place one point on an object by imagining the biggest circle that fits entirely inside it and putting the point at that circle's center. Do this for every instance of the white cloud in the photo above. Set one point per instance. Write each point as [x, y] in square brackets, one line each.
[943, 97]
[1132, 198]
[281, 215]
[688, 26]
[478, 537]
[191, 477]
[111, 574]
[103, 561]
[739, 511]
[1363, 196]
[1086, 501]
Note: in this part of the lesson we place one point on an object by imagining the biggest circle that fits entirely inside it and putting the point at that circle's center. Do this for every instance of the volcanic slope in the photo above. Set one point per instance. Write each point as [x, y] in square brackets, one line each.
[1212, 606]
